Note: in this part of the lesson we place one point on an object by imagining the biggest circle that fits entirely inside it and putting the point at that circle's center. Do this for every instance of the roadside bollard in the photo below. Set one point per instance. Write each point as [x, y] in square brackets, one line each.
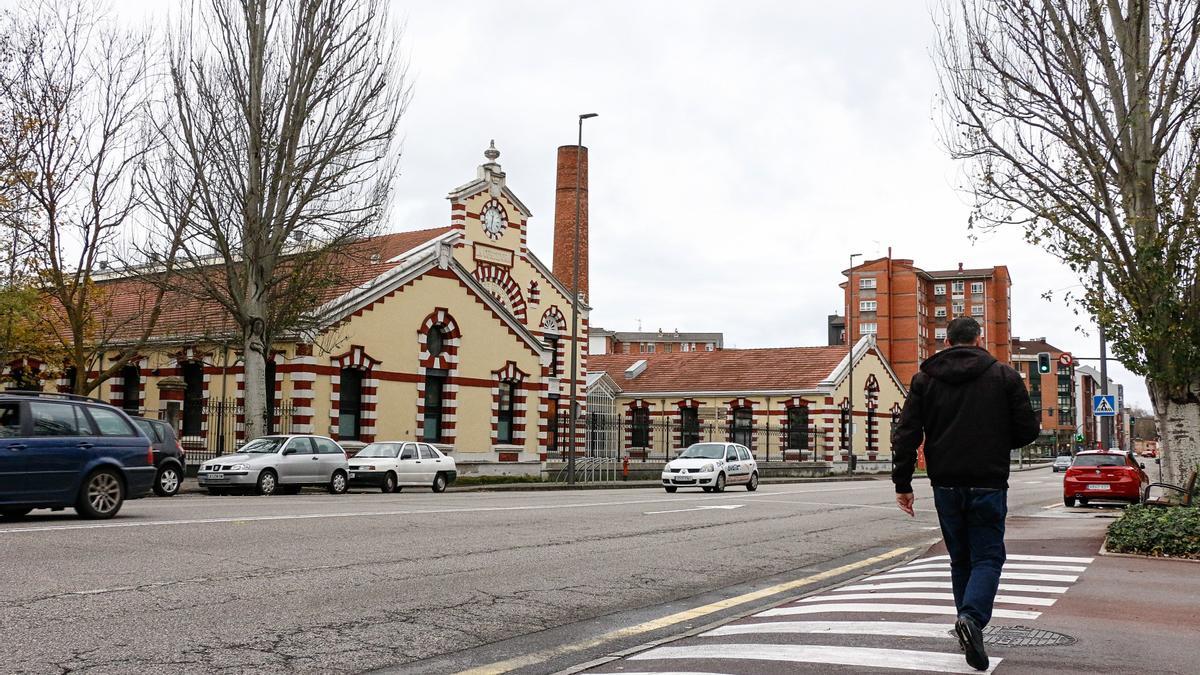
[625, 468]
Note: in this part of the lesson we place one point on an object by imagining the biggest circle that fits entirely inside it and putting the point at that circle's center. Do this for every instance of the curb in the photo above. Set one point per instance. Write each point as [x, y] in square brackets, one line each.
[190, 486]
[1137, 556]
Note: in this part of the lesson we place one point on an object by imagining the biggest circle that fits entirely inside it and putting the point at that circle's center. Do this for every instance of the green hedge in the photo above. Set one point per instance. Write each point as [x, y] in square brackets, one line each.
[1157, 531]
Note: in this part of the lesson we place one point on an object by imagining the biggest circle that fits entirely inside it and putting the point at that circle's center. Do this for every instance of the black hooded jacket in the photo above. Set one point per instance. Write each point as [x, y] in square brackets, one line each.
[970, 409]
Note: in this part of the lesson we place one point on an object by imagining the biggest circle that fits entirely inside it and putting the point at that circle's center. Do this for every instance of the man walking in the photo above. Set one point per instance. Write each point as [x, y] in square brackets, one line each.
[970, 409]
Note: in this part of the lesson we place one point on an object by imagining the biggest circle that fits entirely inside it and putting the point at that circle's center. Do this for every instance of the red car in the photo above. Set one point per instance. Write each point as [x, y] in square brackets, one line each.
[1098, 474]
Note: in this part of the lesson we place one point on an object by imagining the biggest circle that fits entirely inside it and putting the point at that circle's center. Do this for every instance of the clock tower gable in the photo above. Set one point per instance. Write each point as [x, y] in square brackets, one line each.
[489, 214]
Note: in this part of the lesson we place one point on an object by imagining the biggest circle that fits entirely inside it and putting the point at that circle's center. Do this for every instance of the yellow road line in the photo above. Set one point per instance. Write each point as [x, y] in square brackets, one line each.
[679, 617]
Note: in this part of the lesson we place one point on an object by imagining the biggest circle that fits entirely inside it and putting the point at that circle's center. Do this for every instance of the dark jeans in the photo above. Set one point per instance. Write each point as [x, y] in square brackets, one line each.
[972, 521]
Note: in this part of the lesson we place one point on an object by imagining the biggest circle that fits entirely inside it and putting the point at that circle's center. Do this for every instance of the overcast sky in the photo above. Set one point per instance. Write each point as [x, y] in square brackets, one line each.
[743, 151]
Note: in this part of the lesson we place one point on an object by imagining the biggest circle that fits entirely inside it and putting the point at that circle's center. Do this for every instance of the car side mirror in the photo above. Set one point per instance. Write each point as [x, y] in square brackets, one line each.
[289, 451]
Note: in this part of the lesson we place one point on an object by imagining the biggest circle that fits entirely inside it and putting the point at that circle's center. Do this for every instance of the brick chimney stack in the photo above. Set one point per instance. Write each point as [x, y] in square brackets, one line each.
[572, 161]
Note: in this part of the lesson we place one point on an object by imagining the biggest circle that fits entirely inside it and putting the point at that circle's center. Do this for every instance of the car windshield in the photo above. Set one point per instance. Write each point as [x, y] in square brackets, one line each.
[1099, 460]
[704, 451]
[380, 450]
[263, 446]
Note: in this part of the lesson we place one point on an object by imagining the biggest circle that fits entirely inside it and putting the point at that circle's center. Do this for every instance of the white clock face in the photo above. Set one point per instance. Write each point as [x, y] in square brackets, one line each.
[493, 220]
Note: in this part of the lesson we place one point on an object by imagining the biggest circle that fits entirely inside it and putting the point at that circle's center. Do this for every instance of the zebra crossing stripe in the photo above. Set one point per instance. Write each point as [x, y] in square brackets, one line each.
[900, 585]
[1005, 599]
[1021, 556]
[887, 608]
[1015, 576]
[862, 657]
[1007, 566]
[882, 628]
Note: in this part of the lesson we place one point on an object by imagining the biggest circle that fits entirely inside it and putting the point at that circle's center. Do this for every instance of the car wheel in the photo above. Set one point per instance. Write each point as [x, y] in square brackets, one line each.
[337, 484]
[167, 482]
[101, 495]
[389, 483]
[439, 483]
[720, 486]
[268, 483]
[1069, 501]
[14, 513]
[670, 488]
[1083, 501]
[752, 485]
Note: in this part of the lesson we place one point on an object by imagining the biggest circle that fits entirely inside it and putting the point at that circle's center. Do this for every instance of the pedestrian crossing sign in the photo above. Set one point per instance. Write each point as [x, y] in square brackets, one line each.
[1104, 406]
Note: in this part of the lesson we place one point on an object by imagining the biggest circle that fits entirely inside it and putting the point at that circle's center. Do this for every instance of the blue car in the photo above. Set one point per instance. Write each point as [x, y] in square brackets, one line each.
[59, 450]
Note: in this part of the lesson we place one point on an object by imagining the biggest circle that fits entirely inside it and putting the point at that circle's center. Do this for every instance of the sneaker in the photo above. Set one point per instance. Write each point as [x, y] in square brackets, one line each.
[971, 640]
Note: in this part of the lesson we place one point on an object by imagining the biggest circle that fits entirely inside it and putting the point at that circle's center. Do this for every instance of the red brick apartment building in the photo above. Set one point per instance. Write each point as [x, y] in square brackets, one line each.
[908, 308]
[1051, 394]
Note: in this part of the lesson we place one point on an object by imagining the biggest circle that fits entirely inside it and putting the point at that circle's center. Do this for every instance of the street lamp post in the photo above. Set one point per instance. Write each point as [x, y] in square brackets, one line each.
[574, 404]
[850, 356]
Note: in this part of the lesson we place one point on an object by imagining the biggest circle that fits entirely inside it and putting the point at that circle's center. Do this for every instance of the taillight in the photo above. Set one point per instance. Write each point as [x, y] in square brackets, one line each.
[150, 455]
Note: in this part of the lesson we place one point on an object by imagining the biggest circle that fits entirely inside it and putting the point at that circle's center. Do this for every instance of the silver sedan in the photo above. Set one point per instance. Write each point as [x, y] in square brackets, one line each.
[274, 464]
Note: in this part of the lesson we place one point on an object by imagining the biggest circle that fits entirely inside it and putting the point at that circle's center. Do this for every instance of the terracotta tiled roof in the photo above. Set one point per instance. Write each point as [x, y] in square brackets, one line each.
[185, 316]
[748, 370]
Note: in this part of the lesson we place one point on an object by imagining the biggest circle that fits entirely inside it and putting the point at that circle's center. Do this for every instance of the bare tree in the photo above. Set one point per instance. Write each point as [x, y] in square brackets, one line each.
[75, 129]
[1078, 122]
[280, 151]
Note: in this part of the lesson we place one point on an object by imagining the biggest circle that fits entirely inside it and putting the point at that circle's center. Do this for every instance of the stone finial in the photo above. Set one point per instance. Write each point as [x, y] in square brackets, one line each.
[492, 153]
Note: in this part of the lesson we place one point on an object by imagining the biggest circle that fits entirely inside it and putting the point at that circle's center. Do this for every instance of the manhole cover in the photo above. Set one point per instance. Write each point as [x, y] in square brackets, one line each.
[1023, 636]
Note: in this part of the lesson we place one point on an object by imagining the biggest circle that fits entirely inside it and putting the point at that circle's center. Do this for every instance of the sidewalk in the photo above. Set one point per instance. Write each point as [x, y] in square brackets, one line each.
[1063, 607]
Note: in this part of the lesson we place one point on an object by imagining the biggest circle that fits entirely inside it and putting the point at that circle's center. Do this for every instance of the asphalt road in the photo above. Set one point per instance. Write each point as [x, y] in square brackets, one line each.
[426, 582]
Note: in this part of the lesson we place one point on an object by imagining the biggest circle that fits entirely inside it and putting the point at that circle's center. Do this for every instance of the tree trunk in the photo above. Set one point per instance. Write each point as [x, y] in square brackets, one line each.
[1178, 415]
[254, 358]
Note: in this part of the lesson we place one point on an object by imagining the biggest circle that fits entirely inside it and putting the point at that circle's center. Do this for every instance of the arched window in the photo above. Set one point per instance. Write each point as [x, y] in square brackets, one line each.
[193, 397]
[131, 385]
[689, 423]
[504, 413]
[435, 385]
[349, 404]
[270, 409]
[640, 437]
[436, 341]
[797, 430]
[743, 426]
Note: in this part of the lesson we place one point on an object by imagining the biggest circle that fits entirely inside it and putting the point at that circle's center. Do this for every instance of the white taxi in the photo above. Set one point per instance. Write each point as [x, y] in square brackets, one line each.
[711, 467]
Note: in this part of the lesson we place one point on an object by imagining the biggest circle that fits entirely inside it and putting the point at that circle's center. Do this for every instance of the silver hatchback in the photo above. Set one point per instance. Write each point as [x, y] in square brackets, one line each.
[282, 464]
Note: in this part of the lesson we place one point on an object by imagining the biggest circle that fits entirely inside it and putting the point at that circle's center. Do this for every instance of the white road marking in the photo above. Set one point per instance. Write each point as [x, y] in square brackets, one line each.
[405, 512]
[694, 508]
[1019, 556]
[1013, 576]
[898, 585]
[1006, 599]
[1010, 565]
[889, 608]
[884, 628]
[862, 657]
[1055, 505]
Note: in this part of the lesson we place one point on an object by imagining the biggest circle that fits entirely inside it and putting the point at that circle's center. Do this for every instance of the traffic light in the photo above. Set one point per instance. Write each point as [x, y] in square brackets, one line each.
[1044, 363]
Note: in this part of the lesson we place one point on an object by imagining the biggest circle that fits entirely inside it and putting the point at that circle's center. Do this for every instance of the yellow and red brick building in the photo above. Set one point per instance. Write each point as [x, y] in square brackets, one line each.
[458, 335]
